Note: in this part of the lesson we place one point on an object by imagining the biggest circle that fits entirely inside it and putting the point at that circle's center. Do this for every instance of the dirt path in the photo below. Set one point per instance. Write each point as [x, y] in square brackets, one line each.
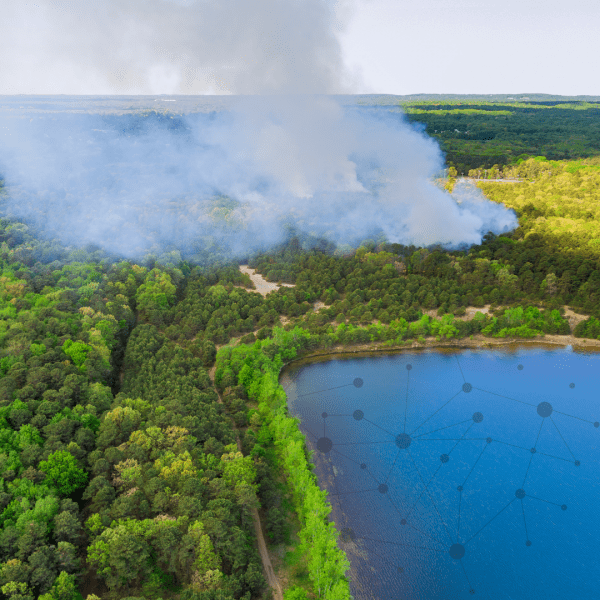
[263, 286]
[262, 546]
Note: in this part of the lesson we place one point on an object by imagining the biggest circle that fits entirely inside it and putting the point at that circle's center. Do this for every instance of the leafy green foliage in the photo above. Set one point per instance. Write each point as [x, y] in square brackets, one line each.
[76, 351]
[63, 472]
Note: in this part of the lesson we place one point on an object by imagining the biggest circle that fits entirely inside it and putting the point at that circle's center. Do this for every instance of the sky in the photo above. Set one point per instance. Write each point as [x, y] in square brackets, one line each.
[240, 47]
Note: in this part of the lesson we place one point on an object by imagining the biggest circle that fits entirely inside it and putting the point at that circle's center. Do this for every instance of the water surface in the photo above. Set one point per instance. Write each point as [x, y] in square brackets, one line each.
[459, 474]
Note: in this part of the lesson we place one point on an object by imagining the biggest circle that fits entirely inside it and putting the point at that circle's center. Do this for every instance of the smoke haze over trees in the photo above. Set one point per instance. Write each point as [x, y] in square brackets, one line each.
[283, 156]
[236, 179]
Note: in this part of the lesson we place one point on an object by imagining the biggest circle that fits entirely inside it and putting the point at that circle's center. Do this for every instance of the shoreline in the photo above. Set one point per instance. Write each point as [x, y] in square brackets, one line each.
[323, 468]
[478, 342]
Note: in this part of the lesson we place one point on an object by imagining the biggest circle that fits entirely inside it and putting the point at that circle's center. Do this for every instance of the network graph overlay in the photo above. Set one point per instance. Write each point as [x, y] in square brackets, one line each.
[427, 496]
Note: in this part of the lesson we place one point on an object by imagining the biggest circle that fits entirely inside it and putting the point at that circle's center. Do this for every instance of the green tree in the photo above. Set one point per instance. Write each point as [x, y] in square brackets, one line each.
[63, 473]
[76, 351]
[295, 593]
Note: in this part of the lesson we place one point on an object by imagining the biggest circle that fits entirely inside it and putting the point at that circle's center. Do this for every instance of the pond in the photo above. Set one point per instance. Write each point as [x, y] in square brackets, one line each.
[459, 473]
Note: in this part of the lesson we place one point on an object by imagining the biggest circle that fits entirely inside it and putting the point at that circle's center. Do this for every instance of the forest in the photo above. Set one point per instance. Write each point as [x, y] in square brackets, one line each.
[481, 135]
[142, 420]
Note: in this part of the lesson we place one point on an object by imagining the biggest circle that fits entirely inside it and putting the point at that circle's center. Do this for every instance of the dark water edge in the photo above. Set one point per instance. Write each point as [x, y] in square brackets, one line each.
[364, 569]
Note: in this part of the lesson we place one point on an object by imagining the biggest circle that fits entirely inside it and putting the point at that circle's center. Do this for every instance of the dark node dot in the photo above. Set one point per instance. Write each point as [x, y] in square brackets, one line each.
[477, 417]
[460, 488]
[528, 543]
[457, 551]
[544, 409]
[403, 522]
[358, 414]
[520, 367]
[363, 466]
[408, 367]
[533, 451]
[571, 385]
[347, 535]
[596, 424]
[467, 387]
[471, 591]
[324, 415]
[358, 382]
[324, 445]
[564, 507]
[400, 569]
[444, 458]
[520, 494]
[577, 463]
[403, 441]
[382, 488]
[488, 440]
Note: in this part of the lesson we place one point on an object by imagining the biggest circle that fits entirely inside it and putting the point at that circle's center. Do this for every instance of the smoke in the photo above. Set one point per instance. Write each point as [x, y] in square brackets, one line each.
[173, 47]
[235, 179]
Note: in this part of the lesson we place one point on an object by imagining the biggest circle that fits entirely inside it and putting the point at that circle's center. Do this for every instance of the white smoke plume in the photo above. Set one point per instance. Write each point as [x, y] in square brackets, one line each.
[172, 47]
[237, 177]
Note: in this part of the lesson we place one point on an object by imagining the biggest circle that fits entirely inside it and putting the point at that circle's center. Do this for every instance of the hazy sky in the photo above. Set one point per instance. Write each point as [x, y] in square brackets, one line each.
[476, 46]
[237, 46]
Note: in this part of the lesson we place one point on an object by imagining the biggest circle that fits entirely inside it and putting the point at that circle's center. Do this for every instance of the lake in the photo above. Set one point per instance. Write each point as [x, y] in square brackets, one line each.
[459, 473]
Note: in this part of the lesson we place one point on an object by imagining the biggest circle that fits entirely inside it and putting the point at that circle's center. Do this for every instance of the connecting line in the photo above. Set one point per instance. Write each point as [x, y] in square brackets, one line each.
[427, 534]
[460, 368]
[363, 443]
[391, 468]
[384, 558]
[430, 498]
[327, 390]
[405, 545]
[506, 397]
[459, 505]
[542, 500]
[406, 404]
[534, 447]
[573, 417]
[501, 511]
[465, 572]
[527, 472]
[357, 463]
[424, 490]
[539, 432]
[556, 457]
[512, 445]
[392, 503]
[459, 440]
[524, 521]
[311, 433]
[562, 438]
[435, 413]
[441, 428]
[382, 429]
[474, 465]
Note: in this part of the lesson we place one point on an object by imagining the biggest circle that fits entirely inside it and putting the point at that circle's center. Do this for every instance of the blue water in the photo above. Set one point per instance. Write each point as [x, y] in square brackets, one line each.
[434, 483]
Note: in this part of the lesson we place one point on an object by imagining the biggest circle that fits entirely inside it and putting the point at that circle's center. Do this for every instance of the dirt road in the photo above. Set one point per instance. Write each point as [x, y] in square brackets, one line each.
[262, 546]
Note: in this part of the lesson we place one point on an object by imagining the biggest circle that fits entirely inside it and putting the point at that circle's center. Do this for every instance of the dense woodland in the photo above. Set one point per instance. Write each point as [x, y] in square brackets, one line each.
[482, 134]
[124, 387]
